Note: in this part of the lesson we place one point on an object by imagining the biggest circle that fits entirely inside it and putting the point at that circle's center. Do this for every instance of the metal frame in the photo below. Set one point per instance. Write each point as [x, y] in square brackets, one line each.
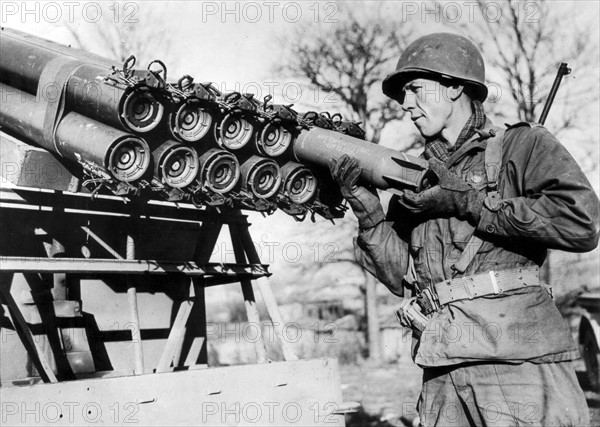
[58, 207]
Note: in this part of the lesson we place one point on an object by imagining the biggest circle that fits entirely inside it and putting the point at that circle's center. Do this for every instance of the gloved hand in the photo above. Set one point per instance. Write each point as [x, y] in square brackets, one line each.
[451, 197]
[364, 202]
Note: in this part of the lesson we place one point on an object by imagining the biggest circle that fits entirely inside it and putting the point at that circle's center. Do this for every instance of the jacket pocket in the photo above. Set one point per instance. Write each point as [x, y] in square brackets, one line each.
[458, 233]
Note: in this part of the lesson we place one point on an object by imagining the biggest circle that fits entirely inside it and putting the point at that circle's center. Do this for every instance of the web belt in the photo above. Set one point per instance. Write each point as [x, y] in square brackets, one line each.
[478, 285]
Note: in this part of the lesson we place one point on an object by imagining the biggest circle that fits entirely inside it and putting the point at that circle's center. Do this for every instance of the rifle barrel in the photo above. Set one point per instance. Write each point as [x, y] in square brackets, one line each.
[563, 70]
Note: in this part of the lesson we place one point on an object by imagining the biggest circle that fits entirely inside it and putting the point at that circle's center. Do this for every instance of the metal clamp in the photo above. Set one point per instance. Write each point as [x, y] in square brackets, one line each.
[494, 282]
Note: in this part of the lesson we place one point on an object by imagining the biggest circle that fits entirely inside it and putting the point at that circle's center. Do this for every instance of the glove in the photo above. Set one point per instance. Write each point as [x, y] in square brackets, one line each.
[451, 197]
[364, 202]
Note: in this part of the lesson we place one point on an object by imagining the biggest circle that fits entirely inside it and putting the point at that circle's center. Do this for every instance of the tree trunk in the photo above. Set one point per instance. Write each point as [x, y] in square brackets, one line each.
[372, 320]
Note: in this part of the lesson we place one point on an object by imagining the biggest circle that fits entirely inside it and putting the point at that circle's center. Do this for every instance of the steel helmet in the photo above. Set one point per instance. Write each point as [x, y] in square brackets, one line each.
[445, 55]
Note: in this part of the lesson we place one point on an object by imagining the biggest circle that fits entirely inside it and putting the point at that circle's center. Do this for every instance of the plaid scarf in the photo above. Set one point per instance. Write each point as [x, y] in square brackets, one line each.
[439, 149]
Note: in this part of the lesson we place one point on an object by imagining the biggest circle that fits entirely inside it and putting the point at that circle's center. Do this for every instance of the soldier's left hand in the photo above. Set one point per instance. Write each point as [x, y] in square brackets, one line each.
[450, 197]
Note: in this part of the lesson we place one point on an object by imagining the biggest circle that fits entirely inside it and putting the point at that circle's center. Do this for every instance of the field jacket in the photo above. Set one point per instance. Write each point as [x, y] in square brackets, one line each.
[547, 202]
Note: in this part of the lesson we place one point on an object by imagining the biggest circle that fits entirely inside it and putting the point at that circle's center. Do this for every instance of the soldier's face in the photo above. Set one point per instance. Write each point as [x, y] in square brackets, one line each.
[429, 105]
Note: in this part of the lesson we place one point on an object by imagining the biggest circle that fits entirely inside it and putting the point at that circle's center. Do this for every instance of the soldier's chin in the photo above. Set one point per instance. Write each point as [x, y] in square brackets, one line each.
[423, 130]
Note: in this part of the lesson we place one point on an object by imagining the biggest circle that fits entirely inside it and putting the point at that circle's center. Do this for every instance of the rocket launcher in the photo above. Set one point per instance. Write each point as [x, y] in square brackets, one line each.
[133, 132]
[382, 167]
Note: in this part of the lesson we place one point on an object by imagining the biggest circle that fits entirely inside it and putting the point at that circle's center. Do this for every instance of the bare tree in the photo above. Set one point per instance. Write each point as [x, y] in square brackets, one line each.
[524, 43]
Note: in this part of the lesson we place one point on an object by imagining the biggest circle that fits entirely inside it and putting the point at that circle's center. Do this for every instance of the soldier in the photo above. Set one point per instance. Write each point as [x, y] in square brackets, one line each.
[493, 347]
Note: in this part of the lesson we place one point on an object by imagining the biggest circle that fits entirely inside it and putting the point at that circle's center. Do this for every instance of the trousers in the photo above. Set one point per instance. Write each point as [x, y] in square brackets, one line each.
[502, 394]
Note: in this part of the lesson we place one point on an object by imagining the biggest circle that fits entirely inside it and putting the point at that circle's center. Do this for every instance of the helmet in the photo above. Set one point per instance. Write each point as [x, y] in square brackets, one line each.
[444, 55]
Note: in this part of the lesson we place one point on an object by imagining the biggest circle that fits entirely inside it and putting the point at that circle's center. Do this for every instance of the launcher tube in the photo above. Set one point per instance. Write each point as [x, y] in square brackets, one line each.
[382, 167]
[22, 67]
[90, 143]
[29, 39]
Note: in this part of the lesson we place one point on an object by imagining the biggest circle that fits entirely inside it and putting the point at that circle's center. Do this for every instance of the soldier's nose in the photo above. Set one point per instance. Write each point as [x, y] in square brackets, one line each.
[409, 102]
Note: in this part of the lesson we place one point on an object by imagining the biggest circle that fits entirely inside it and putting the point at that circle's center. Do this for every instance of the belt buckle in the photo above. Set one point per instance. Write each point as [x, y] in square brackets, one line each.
[494, 282]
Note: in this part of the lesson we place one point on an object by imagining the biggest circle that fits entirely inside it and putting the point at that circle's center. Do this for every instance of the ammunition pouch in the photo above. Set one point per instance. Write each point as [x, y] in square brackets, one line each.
[411, 316]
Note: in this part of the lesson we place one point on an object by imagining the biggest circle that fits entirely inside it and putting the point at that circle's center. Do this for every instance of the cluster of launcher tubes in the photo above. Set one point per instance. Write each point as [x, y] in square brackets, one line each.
[129, 131]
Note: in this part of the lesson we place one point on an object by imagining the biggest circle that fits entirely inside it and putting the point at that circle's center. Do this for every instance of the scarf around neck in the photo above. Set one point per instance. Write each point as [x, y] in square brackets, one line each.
[438, 148]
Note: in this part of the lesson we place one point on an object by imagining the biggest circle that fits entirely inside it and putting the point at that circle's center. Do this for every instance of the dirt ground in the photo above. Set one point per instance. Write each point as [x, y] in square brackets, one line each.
[388, 392]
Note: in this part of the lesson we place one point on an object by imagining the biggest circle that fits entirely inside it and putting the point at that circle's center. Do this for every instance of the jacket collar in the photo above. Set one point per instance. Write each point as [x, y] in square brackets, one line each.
[476, 143]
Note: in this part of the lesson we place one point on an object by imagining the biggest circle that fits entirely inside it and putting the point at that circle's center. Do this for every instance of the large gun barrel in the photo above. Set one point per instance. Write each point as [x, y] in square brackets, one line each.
[94, 145]
[38, 70]
[382, 167]
[47, 45]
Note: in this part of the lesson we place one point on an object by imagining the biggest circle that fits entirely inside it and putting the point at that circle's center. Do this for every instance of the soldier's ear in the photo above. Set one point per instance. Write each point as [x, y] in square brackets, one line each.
[455, 90]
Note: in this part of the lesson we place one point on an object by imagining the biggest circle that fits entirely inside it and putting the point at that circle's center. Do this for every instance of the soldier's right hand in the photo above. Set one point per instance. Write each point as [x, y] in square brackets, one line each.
[345, 171]
[363, 201]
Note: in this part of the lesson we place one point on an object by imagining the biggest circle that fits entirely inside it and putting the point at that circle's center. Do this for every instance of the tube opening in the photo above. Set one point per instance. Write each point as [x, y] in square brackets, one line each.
[141, 112]
[300, 185]
[128, 159]
[262, 177]
[274, 140]
[234, 132]
[179, 167]
[191, 122]
[219, 170]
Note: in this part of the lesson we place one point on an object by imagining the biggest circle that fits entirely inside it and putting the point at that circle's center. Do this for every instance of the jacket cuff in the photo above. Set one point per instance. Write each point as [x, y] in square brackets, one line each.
[366, 207]
[487, 221]
[371, 219]
[369, 214]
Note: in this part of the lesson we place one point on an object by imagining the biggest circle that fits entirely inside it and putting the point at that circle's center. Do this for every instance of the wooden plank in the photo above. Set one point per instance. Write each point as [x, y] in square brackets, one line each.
[22, 329]
[102, 204]
[301, 393]
[175, 340]
[132, 302]
[89, 266]
[193, 349]
[44, 305]
[195, 346]
[248, 293]
[29, 166]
